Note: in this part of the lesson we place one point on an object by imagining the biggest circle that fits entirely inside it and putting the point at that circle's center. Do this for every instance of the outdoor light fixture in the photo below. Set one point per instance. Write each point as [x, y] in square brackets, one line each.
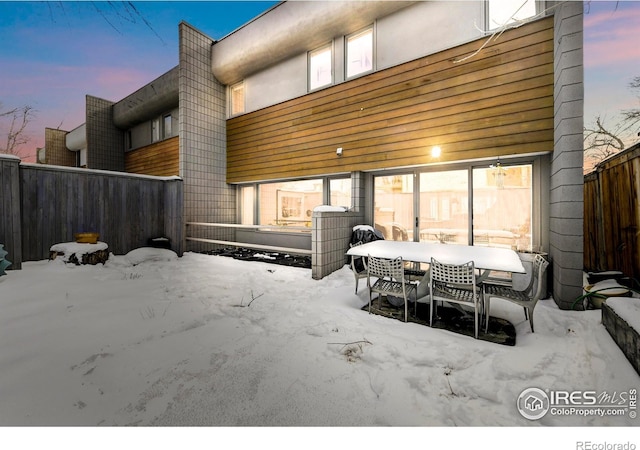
[339, 151]
[436, 151]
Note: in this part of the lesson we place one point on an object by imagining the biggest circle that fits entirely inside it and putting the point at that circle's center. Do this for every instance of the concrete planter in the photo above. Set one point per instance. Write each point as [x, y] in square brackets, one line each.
[624, 335]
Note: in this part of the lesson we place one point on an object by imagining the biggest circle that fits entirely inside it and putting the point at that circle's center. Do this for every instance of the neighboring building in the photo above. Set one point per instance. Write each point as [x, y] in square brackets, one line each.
[406, 112]
[137, 134]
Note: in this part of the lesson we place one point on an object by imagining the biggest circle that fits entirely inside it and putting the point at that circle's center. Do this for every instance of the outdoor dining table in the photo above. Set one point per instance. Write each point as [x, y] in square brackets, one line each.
[486, 259]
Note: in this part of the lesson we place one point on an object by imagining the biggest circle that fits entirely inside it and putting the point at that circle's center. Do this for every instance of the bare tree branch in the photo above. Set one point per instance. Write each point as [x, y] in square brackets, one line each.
[114, 13]
[631, 117]
[511, 23]
[600, 142]
[18, 118]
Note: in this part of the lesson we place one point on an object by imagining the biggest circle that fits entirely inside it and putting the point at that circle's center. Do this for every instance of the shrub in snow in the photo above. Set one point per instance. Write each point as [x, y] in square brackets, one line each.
[4, 263]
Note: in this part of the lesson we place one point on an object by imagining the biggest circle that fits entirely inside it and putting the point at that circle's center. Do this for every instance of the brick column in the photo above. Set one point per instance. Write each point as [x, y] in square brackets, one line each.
[330, 238]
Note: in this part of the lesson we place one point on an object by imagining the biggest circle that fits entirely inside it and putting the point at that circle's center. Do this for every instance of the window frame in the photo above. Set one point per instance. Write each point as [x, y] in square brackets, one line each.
[327, 47]
[155, 130]
[260, 203]
[368, 29]
[328, 190]
[538, 233]
[167, 130]
[490, 27]
[239, 86]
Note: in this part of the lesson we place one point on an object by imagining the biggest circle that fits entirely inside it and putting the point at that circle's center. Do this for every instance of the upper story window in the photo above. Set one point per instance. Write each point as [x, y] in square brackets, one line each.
[359, 52]
[161, 128]
[320, 70]
[503, 12]
[155, 130]
[166, 126]
[236, 98]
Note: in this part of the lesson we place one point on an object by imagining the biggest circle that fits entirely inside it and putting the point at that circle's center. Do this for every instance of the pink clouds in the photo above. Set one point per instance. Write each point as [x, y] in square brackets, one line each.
[57, 93]
[611, 59]
[611, 37]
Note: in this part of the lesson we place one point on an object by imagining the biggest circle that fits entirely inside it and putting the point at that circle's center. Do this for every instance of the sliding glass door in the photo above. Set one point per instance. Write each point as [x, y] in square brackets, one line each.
[502, 206]
[489, 205]
[444, 207]
[393, 211]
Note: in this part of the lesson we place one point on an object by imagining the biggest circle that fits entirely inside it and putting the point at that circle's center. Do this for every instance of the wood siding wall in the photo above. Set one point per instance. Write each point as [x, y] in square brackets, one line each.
[159, 159]
[612, 215]
[498, 102]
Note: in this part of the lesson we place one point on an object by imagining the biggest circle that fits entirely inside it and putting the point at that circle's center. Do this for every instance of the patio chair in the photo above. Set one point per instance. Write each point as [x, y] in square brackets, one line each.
[527, 298]
[398, 232]
[391, 280]
[361, 234]
[358, 268]
[455, 283]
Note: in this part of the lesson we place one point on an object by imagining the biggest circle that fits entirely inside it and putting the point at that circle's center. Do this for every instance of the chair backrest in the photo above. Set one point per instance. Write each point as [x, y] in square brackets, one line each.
[537, 276]
[358, 264]
[399, 232]
[457, 274]
[386, 268]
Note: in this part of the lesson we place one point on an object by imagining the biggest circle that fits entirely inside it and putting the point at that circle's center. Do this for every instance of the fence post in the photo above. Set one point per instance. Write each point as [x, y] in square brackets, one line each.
[10, 213]
[173, 214]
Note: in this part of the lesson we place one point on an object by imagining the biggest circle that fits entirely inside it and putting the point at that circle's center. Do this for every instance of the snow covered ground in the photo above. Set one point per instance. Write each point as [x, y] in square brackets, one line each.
[150, 339]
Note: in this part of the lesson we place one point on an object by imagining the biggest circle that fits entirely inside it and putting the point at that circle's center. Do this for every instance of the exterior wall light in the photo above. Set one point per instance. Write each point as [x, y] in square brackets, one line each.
[339, 151]
[436, 151]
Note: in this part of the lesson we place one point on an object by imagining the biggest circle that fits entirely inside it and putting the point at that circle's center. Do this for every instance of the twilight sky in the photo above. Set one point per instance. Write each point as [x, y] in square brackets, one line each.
[54, 53]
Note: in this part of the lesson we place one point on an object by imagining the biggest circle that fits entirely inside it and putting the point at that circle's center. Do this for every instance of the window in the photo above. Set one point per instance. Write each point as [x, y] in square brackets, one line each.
[502, 206]
[360, 53]
[502, 12]
[320, 71]
[166, 126]
[444, 211]
[237, 98]
[340, 192]
[155, 130]
[289, 203]
[486, 206]
[393, 210]
[247, 199]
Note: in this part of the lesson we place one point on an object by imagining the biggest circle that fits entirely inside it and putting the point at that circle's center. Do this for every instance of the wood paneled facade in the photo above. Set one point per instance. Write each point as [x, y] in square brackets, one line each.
[496, 103]
[159, 159]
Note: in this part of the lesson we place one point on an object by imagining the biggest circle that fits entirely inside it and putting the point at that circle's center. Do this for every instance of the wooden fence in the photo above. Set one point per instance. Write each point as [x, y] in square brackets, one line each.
[612, 215]
[44, 205]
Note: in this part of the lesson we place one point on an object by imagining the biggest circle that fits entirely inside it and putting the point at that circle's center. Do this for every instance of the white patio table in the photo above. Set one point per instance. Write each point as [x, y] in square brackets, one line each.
[486, 259]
